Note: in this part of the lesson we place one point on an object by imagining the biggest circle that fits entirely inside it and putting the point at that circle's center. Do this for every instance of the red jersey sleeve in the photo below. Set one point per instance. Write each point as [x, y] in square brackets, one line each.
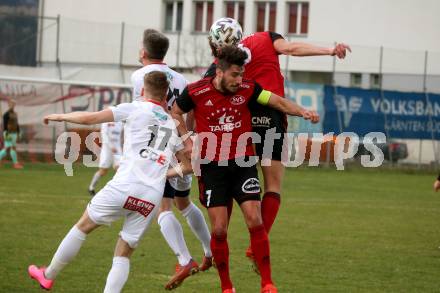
[275, 36]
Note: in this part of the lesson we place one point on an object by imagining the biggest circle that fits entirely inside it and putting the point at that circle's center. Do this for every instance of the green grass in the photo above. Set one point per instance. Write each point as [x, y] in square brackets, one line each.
[337, 231]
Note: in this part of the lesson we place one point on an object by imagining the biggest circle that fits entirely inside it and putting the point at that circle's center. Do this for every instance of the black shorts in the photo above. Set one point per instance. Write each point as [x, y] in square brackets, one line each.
[263, 119]
[170, 192]
[219, 184]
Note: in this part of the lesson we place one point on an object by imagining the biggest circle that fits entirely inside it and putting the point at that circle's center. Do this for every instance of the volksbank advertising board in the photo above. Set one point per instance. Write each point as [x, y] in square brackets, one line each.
[408, 115]
[398, 114]
[309, 96]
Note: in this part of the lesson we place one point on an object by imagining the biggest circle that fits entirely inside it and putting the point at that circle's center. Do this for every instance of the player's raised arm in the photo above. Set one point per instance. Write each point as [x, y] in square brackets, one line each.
[303, 49]
[86, 118]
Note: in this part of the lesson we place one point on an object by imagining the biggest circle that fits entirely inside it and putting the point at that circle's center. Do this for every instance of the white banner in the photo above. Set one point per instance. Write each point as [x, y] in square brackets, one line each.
[36, 98]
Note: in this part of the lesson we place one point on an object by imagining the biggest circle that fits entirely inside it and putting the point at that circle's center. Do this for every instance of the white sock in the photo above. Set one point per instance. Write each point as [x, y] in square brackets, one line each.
[173, 234]
[197, 223]
[118, 275]
[67, 250]
[95, 180]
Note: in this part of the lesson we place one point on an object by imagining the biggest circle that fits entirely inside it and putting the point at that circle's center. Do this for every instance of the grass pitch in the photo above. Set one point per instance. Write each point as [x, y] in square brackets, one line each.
[352, 231]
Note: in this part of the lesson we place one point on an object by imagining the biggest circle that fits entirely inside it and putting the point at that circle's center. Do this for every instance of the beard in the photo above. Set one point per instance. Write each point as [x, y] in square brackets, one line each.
[225, 88]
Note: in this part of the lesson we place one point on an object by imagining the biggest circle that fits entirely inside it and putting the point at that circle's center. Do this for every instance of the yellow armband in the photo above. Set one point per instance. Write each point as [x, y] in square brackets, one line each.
[264, 96]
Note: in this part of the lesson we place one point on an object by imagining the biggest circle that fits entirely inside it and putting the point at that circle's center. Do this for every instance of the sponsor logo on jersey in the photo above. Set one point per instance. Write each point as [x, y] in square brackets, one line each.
[201, 91]
[161, 116]
[143, 207]
[237, 100]
[245, 86]
[225, 123]
[252, 185]
[262, 121]
[209, 103]
[150, 154]
[170, 76]
[227, 127]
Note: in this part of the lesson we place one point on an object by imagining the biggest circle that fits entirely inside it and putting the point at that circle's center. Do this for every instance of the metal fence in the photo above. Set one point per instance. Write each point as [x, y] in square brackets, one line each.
[77, 50]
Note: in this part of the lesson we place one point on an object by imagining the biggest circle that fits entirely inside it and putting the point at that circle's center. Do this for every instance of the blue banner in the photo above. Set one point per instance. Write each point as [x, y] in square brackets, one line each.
[309, 96]
[397, 114]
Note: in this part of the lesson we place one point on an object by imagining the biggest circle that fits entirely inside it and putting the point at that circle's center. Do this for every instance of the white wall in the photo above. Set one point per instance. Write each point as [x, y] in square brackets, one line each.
[410, 24]
[90, 32]
[137, 12]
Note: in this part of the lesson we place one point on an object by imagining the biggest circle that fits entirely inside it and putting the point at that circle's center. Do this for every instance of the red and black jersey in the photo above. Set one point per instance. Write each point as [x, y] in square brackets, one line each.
[227, 116]
[262, 64]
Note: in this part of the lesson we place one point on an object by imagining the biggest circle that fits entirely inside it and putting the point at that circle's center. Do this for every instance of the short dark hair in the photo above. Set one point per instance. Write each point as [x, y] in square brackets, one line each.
[230, 55]
[156, 83]
[155, 44]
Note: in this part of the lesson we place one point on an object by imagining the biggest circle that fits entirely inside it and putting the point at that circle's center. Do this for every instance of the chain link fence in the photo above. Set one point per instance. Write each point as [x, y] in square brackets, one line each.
[108, 53]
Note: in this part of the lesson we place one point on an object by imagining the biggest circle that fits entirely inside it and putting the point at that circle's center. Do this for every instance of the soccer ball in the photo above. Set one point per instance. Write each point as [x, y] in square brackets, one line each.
[225, 31]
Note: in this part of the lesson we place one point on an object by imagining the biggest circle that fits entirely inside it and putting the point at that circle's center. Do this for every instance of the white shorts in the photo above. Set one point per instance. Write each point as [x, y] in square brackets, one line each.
[181, 184]
[107, 158]
[137, 203]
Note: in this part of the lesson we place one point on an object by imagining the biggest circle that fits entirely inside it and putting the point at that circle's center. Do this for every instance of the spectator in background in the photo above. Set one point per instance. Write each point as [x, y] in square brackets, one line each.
[111, 151]
[437, 184]
[11, 129]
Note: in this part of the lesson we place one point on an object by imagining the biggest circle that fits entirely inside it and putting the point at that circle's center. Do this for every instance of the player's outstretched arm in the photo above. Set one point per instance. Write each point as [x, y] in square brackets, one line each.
[303, 49]
[291, 108]
[86, 118]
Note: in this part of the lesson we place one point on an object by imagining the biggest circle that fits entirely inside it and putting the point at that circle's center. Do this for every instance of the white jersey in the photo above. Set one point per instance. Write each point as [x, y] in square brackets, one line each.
[150, 141]
[177, 81]
[111, 133]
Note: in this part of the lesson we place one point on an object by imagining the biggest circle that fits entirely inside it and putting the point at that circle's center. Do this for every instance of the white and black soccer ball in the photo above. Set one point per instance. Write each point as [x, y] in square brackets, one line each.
[225, 31]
